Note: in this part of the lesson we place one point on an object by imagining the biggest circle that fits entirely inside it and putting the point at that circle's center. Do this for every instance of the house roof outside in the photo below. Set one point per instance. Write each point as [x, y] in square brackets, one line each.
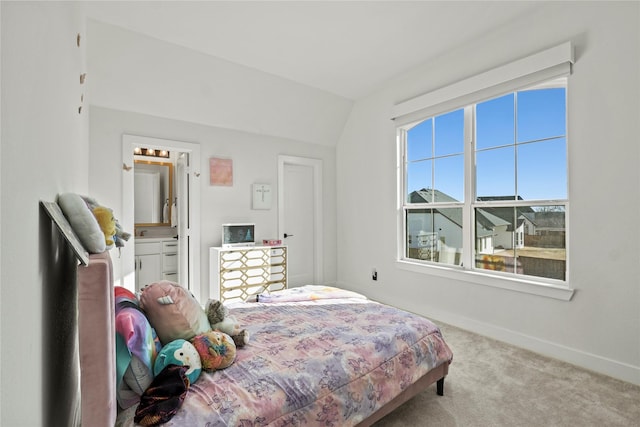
[430, 195]
[485, 218]
[490, 217]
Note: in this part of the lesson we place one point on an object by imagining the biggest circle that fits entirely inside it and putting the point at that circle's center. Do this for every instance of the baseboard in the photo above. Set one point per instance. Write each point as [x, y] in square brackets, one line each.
[593, 362]
[583, 359]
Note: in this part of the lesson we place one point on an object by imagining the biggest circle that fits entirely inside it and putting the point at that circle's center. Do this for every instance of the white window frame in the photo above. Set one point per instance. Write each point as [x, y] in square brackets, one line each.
[546, 65]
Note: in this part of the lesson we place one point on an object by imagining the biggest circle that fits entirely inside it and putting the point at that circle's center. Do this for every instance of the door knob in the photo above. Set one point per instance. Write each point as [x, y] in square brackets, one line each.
[287, 235]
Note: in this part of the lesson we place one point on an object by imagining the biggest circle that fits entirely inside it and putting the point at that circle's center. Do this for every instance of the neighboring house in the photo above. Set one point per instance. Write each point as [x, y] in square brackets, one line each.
[445, 227]
[494, 226]
[494, 221]
[492, 231]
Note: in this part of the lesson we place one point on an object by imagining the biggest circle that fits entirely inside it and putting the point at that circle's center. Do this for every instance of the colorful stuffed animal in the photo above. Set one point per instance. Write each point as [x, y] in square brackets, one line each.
[120, 236]
[182, 353]
[216, 349]
[107, 222]
[219, 320]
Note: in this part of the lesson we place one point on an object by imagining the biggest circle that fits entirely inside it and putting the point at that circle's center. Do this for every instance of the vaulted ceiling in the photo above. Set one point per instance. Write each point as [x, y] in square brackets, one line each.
[347, 48]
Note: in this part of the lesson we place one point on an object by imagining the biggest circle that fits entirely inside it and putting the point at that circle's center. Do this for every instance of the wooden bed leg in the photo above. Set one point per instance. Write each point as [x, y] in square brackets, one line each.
[440, 387]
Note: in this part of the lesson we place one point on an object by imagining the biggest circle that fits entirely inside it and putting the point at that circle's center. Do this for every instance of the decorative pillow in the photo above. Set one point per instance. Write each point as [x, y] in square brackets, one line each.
[136, 348]
[173, 311]
[216, 349]
[180, 353]
[83, 222]
[138, 376]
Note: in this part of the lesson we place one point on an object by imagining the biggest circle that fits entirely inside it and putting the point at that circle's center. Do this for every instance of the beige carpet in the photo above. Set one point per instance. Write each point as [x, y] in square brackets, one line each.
[495, 384]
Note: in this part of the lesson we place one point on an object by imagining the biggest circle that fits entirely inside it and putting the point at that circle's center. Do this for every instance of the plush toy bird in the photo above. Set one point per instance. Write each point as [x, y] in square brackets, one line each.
[182, 353]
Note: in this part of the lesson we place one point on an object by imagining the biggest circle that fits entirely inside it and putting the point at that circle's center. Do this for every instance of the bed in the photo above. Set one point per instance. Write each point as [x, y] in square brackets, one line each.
[316, 358]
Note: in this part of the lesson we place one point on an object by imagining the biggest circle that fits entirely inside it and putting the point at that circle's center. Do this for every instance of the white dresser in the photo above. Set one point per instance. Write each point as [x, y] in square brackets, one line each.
[241, 273]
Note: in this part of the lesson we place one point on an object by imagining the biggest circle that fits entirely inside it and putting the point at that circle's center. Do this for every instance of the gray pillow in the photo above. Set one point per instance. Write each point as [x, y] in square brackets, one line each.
[83, 222]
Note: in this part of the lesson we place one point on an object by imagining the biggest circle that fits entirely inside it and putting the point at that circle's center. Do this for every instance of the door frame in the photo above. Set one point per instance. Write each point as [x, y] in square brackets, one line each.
[318, 235]
[129, 142]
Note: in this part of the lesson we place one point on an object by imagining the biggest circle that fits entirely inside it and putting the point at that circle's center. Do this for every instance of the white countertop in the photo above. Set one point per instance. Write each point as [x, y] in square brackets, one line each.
[145, 239]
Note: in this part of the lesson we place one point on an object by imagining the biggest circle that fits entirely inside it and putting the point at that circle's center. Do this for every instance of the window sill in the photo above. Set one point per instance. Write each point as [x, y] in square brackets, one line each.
[519, 285]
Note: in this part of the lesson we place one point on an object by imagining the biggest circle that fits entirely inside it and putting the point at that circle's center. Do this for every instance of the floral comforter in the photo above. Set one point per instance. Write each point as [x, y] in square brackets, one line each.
[330, 362]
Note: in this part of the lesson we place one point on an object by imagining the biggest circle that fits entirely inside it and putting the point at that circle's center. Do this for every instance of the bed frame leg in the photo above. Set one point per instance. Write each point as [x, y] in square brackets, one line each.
[440, 387]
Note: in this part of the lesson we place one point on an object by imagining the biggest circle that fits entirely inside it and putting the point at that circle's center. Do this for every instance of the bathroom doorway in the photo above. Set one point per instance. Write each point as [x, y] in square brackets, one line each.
[184, 221]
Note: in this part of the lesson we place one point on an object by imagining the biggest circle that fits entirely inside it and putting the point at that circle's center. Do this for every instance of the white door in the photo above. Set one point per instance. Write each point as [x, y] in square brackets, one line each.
[184, 229]
[300, 218]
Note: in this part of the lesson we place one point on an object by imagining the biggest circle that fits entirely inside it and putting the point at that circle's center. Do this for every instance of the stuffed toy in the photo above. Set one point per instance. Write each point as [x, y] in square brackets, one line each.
[107, 223]
[219, 320]
[173, 311]
[216, 349]
[120, 235]
[182, 353]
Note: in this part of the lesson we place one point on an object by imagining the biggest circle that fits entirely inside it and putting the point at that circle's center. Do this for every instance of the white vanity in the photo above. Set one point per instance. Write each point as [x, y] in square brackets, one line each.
[156, 258]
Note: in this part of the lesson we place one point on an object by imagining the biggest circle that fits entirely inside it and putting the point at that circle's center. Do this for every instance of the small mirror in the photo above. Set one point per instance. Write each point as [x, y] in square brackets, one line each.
[153, 193]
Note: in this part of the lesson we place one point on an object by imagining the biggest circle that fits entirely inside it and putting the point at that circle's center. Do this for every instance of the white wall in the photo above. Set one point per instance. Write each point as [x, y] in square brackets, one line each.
[44, 152]
[600, 327]
[255, 160]
[141, 74]
[144, 86]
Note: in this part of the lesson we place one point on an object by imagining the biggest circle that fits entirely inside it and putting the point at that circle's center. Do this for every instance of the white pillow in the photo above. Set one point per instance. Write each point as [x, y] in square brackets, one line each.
[83, 222]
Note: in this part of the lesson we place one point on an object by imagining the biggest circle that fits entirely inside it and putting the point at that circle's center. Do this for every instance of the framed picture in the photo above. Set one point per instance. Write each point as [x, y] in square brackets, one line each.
[261, 196]
[221, 171]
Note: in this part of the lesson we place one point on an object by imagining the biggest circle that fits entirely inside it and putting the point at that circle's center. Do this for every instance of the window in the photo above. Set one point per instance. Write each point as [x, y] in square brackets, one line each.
[485, 186]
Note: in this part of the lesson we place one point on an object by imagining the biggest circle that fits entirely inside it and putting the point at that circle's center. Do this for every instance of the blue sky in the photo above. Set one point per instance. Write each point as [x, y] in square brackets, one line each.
[534, 145]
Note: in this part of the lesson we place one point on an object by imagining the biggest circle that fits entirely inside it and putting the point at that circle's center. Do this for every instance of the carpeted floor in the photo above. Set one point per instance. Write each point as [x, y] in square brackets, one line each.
[495, 384]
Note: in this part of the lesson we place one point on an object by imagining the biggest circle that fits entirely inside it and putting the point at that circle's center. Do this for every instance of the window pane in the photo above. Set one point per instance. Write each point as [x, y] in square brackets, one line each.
[418, 177]
[449, 131]
[494, 239]
[495, 173]
[495, 121]
[449, 177]
[540, 241]
[435, 235]
[419, 141]
[541, 114]
[542, 170]
[526, 240]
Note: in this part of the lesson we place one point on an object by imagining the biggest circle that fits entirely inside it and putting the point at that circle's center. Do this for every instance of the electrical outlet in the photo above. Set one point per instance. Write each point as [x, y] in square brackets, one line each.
[374, 274]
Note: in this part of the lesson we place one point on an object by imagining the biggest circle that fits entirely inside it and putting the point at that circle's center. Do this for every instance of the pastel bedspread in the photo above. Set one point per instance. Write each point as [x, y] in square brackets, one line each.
[329, 362]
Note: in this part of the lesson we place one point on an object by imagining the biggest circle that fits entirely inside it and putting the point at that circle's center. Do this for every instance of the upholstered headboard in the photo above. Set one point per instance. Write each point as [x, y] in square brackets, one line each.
[96, 332]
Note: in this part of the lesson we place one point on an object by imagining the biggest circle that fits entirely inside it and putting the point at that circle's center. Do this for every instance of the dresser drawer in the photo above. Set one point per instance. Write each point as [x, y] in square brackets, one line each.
[173, 277]
[170, 247]
[169, 262]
